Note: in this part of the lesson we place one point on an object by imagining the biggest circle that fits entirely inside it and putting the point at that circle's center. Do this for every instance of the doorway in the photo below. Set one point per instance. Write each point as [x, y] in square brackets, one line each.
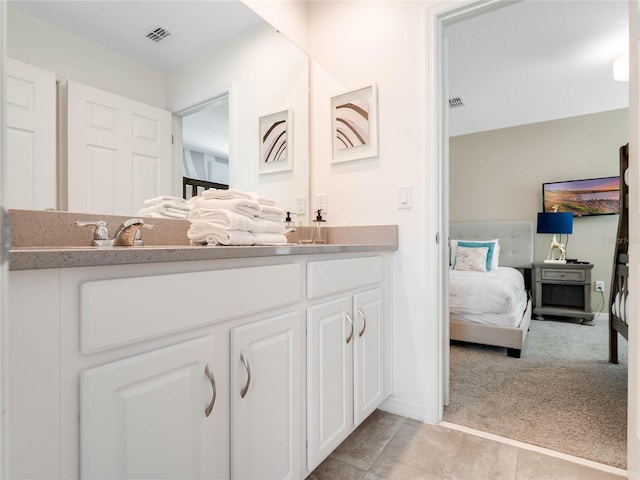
[203, 143]
[438, 176]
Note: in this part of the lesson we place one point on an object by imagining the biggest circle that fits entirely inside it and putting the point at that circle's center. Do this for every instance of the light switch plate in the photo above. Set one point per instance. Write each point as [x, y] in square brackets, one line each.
[404, 196]
[322, 203]
[301, 205]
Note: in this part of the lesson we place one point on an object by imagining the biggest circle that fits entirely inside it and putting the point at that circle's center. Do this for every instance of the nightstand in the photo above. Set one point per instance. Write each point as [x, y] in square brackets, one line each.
[563, 290]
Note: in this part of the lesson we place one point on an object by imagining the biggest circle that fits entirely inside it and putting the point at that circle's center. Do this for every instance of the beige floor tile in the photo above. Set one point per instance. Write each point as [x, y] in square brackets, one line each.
[536, 466]
[332, 469]
[431, 452]
[367, 442]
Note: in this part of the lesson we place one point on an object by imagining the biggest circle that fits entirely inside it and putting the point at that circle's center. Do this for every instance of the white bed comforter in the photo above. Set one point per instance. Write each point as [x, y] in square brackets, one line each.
[492, 294]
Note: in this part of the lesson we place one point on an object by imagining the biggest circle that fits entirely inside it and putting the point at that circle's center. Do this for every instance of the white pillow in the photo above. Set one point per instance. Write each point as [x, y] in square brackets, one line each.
[472, 259]
[495, 255]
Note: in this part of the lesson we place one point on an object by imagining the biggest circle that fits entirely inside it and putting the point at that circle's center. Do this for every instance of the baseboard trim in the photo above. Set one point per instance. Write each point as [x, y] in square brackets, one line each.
[552, 453]
[404, 408]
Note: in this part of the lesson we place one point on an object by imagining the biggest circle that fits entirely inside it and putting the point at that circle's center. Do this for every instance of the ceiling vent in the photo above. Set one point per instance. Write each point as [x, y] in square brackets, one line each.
[456, 102]
[158, 33]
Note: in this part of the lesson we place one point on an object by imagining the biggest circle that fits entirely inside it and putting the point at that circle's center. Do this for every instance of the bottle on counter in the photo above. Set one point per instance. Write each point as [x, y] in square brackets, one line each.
[319, 228]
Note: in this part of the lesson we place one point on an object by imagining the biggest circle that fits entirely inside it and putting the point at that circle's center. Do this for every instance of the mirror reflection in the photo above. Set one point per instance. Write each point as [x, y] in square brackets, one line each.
[121, 116]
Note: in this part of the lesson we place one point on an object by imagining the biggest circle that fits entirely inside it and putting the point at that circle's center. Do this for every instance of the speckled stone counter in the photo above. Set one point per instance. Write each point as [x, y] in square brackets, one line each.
[52, 240]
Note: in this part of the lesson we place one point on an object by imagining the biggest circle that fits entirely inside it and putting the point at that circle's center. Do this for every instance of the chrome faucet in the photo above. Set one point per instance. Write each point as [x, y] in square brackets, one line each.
[128, 233]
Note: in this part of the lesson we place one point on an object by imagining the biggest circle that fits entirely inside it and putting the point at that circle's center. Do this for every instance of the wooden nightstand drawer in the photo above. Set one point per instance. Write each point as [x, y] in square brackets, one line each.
[567, 274]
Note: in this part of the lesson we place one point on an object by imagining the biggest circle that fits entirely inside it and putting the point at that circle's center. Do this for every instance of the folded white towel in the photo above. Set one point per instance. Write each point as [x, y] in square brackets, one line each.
[229, 194]
[264, 200]
[274, 214]
[270, 239]
[234, 193]
[250, 208]
[261, 225]
[164, 199]
[232, 237]
[232, 220]
[159, 211]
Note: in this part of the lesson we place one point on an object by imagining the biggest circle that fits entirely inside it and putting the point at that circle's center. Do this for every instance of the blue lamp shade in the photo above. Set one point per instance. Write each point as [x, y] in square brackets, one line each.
[559, 222]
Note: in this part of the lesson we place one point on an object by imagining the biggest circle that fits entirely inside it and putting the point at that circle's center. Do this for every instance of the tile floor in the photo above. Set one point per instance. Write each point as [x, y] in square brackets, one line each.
[391, 447]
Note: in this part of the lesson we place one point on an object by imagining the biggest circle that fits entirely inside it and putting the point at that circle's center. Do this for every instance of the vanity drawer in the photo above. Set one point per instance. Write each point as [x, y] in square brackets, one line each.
[334, 276]
[565, 274]
[124, 310]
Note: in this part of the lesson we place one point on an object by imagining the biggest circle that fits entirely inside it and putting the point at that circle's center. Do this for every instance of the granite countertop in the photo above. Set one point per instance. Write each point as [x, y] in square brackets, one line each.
[33, 258]
[44, 239]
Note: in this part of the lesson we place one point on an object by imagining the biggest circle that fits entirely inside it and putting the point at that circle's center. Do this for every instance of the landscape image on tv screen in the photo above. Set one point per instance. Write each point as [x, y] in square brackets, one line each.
[594, 196]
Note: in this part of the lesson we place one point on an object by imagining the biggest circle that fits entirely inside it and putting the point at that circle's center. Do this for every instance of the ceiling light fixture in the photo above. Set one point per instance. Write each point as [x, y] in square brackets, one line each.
[621, 68]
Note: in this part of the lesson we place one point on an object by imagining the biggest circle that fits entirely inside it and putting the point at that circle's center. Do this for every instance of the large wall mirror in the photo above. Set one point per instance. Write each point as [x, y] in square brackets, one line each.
[200, 77]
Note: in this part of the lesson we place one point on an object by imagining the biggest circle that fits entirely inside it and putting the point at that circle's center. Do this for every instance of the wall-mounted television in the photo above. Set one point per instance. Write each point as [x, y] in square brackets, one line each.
[592, 196]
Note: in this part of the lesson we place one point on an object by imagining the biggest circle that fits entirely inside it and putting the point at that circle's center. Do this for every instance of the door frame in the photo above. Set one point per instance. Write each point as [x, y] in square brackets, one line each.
[438, 15]
[211, 100]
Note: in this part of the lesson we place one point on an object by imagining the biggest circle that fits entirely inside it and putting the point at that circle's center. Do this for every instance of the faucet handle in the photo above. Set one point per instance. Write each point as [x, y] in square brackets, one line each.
[137, 240]
[100, 232]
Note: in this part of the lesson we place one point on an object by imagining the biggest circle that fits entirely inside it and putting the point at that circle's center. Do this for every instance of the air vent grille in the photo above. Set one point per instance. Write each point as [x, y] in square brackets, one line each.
[158, 33]
[456, 102]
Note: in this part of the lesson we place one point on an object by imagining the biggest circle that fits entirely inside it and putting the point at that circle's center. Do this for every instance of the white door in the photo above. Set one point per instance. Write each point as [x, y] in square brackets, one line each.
[330, 334]
[266, 398]
[369, 354]
[31, 137]
[119, 151]
[148, 416]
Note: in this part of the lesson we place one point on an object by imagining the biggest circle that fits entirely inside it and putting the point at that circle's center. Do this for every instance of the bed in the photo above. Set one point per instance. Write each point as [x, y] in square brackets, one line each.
[493, 307]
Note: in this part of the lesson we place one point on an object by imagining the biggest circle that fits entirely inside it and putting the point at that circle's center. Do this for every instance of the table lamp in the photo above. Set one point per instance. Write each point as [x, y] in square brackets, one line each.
[555, 223]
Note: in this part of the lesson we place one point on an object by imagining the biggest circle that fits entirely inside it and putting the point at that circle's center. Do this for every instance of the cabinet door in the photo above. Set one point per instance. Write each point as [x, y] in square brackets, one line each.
[330, 336]
[145, 416]
[266, 397]
[369, 353]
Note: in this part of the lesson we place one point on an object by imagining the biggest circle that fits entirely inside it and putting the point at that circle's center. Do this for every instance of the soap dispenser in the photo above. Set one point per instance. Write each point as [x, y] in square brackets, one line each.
[319, 228]
[288, 224]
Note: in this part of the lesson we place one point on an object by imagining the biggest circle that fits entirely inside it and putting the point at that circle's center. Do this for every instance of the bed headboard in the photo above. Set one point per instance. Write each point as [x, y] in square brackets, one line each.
[516, 239]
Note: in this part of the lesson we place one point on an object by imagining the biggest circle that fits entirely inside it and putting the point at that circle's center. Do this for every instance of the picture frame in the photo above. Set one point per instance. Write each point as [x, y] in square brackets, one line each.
[354, 124]
[274, 140]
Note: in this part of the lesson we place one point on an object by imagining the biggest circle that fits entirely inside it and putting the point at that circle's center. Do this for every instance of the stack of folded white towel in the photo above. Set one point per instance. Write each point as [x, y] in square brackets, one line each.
[165, 207]
[234, 217]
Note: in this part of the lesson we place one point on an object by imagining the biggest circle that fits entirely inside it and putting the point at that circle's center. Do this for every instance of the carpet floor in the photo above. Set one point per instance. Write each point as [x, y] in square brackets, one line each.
[563, 394]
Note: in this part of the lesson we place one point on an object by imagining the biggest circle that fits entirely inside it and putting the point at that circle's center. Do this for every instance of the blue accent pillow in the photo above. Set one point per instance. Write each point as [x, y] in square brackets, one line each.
[489, 245]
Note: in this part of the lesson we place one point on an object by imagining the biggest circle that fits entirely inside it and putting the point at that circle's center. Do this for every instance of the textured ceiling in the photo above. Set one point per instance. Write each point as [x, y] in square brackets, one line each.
[534, 61]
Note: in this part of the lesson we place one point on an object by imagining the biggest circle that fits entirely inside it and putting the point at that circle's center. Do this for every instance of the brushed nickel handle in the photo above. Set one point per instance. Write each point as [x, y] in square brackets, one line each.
[364, 322]
[245, 362]
[350, 323]
[212, 380]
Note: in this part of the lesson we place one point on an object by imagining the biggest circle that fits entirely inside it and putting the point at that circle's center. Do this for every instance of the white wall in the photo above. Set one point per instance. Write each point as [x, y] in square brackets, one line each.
[290, 17]
[73, 58]
[353, 44]
[498, 175]
[266, 74]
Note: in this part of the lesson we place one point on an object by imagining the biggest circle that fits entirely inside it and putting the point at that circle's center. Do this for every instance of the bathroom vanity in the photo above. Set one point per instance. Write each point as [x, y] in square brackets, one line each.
[201, 362]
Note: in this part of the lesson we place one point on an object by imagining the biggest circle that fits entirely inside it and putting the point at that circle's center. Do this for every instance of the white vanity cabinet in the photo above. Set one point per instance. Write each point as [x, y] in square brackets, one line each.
[348, 345]
[236, 368]
[161, 414]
